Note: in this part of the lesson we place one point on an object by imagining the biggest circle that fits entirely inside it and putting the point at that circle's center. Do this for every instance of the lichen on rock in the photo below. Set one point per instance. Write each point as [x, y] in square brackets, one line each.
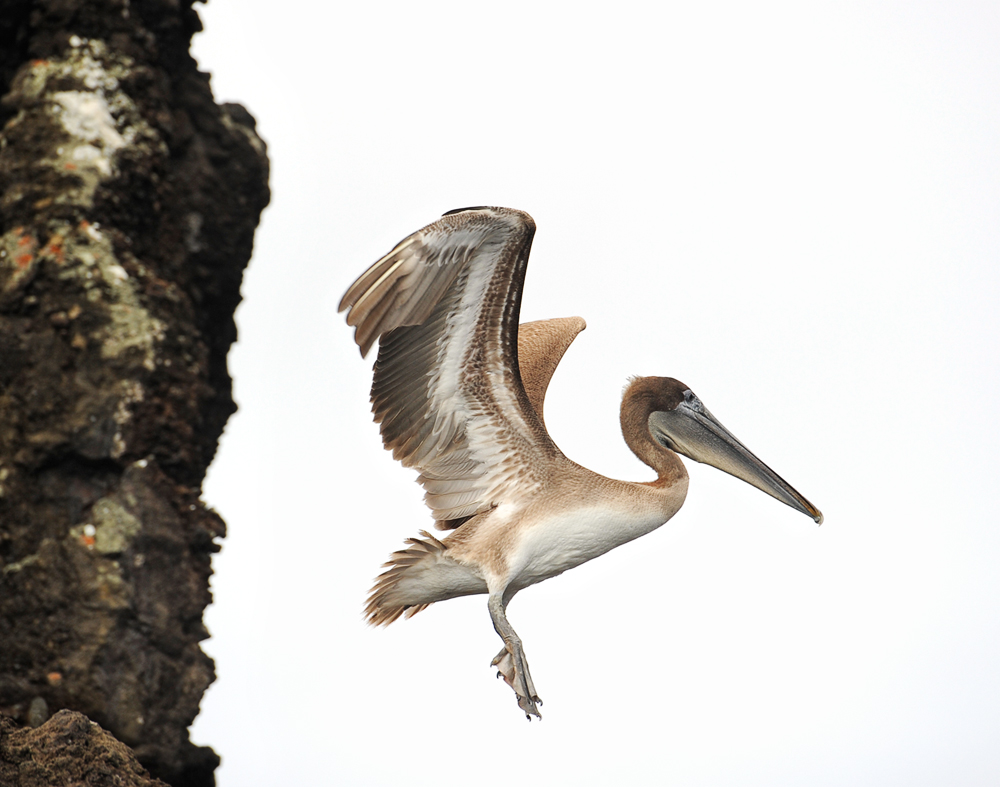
[115, 527]
[77, 103]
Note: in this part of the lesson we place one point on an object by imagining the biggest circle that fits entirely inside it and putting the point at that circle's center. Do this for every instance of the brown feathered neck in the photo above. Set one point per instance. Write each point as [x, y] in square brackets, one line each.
[645, 395]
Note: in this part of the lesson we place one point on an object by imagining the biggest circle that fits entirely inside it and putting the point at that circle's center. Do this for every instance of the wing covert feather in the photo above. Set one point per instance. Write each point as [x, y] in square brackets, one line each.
[540, 347]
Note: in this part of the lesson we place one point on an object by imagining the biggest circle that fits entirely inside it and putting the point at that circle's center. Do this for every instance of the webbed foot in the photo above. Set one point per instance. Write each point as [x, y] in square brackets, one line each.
[512, 666]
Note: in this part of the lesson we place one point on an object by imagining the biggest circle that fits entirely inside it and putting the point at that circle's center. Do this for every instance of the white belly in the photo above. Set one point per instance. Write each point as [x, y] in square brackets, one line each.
[551, 546]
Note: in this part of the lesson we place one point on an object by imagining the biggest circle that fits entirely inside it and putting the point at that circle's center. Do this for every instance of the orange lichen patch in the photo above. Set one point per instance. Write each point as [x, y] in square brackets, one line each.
[69, 165]
[88, 541]
[39, 63]
[54, 678]
[54, 249]
[25, 246]
[84, 224]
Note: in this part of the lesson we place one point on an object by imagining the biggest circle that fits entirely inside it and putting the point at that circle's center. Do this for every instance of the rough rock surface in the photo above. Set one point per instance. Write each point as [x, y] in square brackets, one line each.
[69, 750]
[128, 203]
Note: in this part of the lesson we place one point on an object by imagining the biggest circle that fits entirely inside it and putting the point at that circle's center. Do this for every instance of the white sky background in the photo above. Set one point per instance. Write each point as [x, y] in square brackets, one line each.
[793, 208]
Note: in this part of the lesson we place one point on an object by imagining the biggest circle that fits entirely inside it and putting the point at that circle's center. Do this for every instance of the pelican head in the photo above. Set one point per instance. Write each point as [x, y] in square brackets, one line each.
[678, 421]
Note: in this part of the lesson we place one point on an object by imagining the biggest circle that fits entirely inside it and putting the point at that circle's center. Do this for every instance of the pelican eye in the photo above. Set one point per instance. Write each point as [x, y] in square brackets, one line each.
[693, 401]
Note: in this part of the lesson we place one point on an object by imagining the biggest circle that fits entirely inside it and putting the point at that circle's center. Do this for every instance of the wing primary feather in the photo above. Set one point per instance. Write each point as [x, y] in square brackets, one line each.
[362, 308]
[363, 282]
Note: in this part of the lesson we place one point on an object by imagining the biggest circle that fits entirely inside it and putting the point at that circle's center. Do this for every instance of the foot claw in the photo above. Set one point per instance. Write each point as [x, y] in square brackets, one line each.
[528, 706]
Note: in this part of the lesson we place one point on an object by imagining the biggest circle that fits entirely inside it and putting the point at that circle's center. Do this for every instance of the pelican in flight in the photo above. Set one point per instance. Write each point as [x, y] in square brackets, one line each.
[458, 390]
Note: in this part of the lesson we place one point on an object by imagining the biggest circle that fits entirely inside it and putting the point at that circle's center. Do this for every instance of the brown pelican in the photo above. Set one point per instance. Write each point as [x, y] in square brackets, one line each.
[458, 390]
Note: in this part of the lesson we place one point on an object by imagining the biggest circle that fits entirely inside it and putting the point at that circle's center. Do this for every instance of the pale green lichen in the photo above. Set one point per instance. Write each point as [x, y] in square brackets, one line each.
[131, 393]
[115, 527]
[87, 117]
[247, 133]
[13, 568]
[97, 119]
[131, 328]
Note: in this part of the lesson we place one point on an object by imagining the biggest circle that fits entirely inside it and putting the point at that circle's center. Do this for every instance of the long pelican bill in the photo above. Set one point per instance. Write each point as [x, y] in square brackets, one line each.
[690, 429]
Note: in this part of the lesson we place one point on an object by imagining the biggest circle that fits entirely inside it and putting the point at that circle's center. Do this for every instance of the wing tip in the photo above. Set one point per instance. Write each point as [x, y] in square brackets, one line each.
[465, 210]
[522, 216]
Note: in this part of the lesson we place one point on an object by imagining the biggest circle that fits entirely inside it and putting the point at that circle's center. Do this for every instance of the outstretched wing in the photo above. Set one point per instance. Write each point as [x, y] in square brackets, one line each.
[447, 390]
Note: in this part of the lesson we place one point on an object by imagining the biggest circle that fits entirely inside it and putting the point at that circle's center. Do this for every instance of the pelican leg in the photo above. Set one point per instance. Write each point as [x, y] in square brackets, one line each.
[510, 662]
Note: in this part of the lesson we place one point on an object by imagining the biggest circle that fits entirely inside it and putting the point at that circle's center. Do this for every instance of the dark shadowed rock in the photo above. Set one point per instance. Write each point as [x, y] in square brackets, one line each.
[128, 203]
